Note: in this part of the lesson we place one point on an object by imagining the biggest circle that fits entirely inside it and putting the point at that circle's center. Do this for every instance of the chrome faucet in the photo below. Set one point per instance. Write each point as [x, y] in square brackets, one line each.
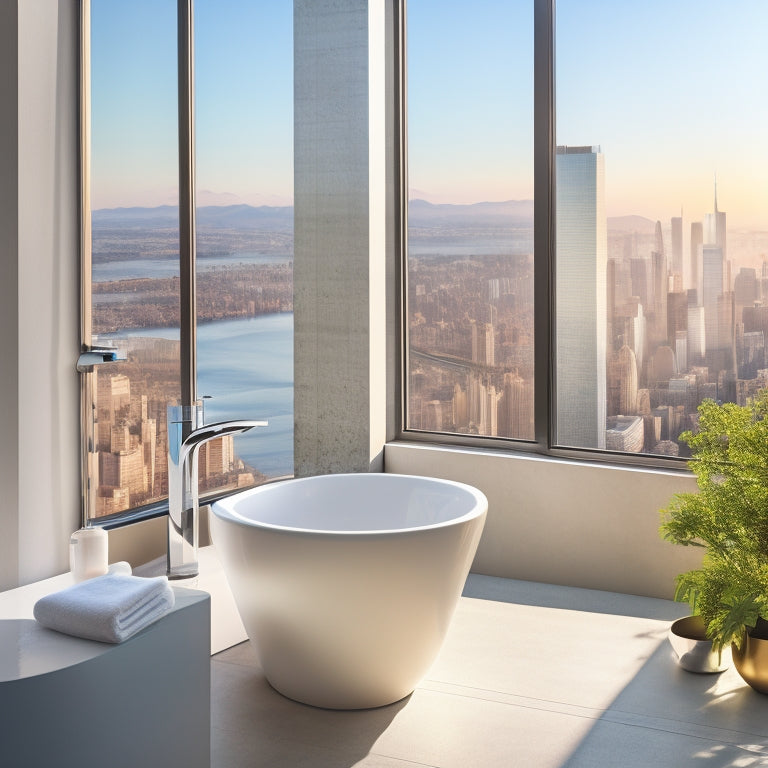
[186, 433]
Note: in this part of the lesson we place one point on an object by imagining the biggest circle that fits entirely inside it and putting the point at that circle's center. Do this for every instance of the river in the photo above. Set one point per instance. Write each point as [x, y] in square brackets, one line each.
[245, 371]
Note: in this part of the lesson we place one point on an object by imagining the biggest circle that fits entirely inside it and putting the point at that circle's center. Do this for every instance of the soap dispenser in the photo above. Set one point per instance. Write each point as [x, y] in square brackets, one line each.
[88, 552]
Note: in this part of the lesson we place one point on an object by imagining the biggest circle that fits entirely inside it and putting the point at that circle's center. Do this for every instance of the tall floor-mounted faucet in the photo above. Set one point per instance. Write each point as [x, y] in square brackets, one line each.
[186, 433]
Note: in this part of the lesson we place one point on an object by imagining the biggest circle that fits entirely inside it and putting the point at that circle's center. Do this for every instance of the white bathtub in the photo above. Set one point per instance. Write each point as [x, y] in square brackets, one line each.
[346, 584]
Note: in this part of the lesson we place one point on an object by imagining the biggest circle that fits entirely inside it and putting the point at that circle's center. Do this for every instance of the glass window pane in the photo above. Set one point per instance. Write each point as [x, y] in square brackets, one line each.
[470, 217]
[244, 154]
[135, 247]
[661, 277]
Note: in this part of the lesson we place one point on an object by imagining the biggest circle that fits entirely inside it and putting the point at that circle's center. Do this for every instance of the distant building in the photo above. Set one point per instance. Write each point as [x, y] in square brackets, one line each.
[581, 297]
[715, 228]
[459, 409]
[696, 337]
[676, 261]
[681, 350]
[695, 273]
[666, 448]
[217, 457]
[746, 290]
[515, 408]
[663, 364]
[622, 382]
[713, 281]
[625, 434]
[659, 290]
[677, 315]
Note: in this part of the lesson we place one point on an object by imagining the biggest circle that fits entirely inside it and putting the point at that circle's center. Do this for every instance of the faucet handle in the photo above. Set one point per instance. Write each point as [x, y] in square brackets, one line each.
[183, 509]
[97, 355]
[221, 428]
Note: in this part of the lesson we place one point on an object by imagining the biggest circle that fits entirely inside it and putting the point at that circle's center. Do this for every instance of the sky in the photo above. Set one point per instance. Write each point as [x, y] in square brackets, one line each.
[674, 92]
[244, 102]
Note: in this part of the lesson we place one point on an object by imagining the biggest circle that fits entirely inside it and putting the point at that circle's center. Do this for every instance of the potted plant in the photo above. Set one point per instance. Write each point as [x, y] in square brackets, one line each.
[729, 518]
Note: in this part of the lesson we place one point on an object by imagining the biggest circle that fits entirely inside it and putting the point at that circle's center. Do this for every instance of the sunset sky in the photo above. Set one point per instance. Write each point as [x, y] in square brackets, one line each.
[674, 91]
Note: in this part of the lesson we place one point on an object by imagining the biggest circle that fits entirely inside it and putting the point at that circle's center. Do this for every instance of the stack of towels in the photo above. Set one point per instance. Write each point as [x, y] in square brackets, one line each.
[109, 608]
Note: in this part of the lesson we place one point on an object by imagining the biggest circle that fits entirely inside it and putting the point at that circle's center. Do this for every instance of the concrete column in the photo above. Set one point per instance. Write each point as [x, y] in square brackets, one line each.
[343, 267]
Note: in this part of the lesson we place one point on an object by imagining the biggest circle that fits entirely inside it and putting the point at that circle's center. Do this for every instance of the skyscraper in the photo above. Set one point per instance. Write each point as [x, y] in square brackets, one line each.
[582, 248]
[515, 414]
[627, 372]
[696, 345]
[714, 228]
[659, 284]
[697, 239]
[713, 277]
[676, 260]
[746, 289]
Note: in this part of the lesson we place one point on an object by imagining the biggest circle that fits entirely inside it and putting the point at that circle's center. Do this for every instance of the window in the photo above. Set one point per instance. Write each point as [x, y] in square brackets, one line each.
[197, 302]
[645, 295]
[470, 219]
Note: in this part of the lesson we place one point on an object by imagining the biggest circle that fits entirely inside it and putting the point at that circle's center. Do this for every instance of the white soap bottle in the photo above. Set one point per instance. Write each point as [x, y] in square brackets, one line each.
[88, 553]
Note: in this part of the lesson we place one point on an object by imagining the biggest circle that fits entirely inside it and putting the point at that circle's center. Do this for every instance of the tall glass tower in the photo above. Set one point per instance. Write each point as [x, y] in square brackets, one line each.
[580, 271]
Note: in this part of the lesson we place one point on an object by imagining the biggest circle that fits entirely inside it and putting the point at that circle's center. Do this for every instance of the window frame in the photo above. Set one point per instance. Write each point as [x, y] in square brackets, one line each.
[544, 261]
[187, 256]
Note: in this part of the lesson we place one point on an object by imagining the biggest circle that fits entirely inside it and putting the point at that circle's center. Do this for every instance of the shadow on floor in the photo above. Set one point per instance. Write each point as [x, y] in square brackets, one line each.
[670, 718]
[571, 598]
[253, 725]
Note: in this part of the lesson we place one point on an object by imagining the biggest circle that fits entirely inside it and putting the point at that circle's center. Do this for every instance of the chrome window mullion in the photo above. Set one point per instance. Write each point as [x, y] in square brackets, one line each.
[401, 209]
[187, 250]
[85, 173]
[544, 222]
[87, 375]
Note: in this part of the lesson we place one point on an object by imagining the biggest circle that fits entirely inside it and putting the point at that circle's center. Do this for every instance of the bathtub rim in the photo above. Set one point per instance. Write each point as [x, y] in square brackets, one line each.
[222, 509]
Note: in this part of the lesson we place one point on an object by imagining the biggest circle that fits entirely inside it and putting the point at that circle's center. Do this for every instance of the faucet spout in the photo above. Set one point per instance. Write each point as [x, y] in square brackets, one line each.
[186, 433]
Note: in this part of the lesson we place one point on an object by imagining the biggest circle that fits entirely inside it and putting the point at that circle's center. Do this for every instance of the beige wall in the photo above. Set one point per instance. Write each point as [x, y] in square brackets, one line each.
[145, 541]
[39, 333]
[564, 522]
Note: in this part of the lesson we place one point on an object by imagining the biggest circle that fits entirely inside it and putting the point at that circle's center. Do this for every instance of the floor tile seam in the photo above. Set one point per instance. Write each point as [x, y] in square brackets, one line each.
[699, 732]
[292, 741]
[687, 727]
[403, 760]
[624, 717]
[233, 663]
[513, 699]
[521, 702]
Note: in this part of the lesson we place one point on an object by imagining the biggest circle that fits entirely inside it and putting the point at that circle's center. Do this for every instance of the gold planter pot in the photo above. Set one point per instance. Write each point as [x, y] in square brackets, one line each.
[751, 662]
[693, 649]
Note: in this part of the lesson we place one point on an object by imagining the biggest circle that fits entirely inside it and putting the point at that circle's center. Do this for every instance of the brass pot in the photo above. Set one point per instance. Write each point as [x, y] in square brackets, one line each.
[751, 662]
[693, 649]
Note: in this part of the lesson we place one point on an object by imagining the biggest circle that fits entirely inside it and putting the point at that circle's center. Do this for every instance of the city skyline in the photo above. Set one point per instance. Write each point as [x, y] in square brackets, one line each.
[669, 301]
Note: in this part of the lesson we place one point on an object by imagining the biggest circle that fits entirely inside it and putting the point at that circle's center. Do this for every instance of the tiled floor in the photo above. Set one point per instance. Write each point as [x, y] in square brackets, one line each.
[531, 675]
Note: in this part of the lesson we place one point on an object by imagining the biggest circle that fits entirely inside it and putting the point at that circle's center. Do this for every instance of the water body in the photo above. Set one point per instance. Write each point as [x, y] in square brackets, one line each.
[138, 268]
[245, 371]
[246, 368]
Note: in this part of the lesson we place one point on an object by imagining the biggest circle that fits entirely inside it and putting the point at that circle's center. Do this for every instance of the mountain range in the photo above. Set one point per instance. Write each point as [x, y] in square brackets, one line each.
[421, 214]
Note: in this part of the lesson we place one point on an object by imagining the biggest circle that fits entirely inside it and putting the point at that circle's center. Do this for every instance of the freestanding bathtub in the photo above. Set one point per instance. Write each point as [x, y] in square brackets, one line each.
[346, 584]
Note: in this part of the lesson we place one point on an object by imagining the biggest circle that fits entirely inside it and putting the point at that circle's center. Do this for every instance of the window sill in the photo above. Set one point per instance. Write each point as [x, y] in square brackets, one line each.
[560, 521]
[502, 448]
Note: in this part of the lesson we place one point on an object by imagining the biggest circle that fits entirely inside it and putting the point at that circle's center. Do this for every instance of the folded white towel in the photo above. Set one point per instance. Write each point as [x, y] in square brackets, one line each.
[121, 566]
[109, 608]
